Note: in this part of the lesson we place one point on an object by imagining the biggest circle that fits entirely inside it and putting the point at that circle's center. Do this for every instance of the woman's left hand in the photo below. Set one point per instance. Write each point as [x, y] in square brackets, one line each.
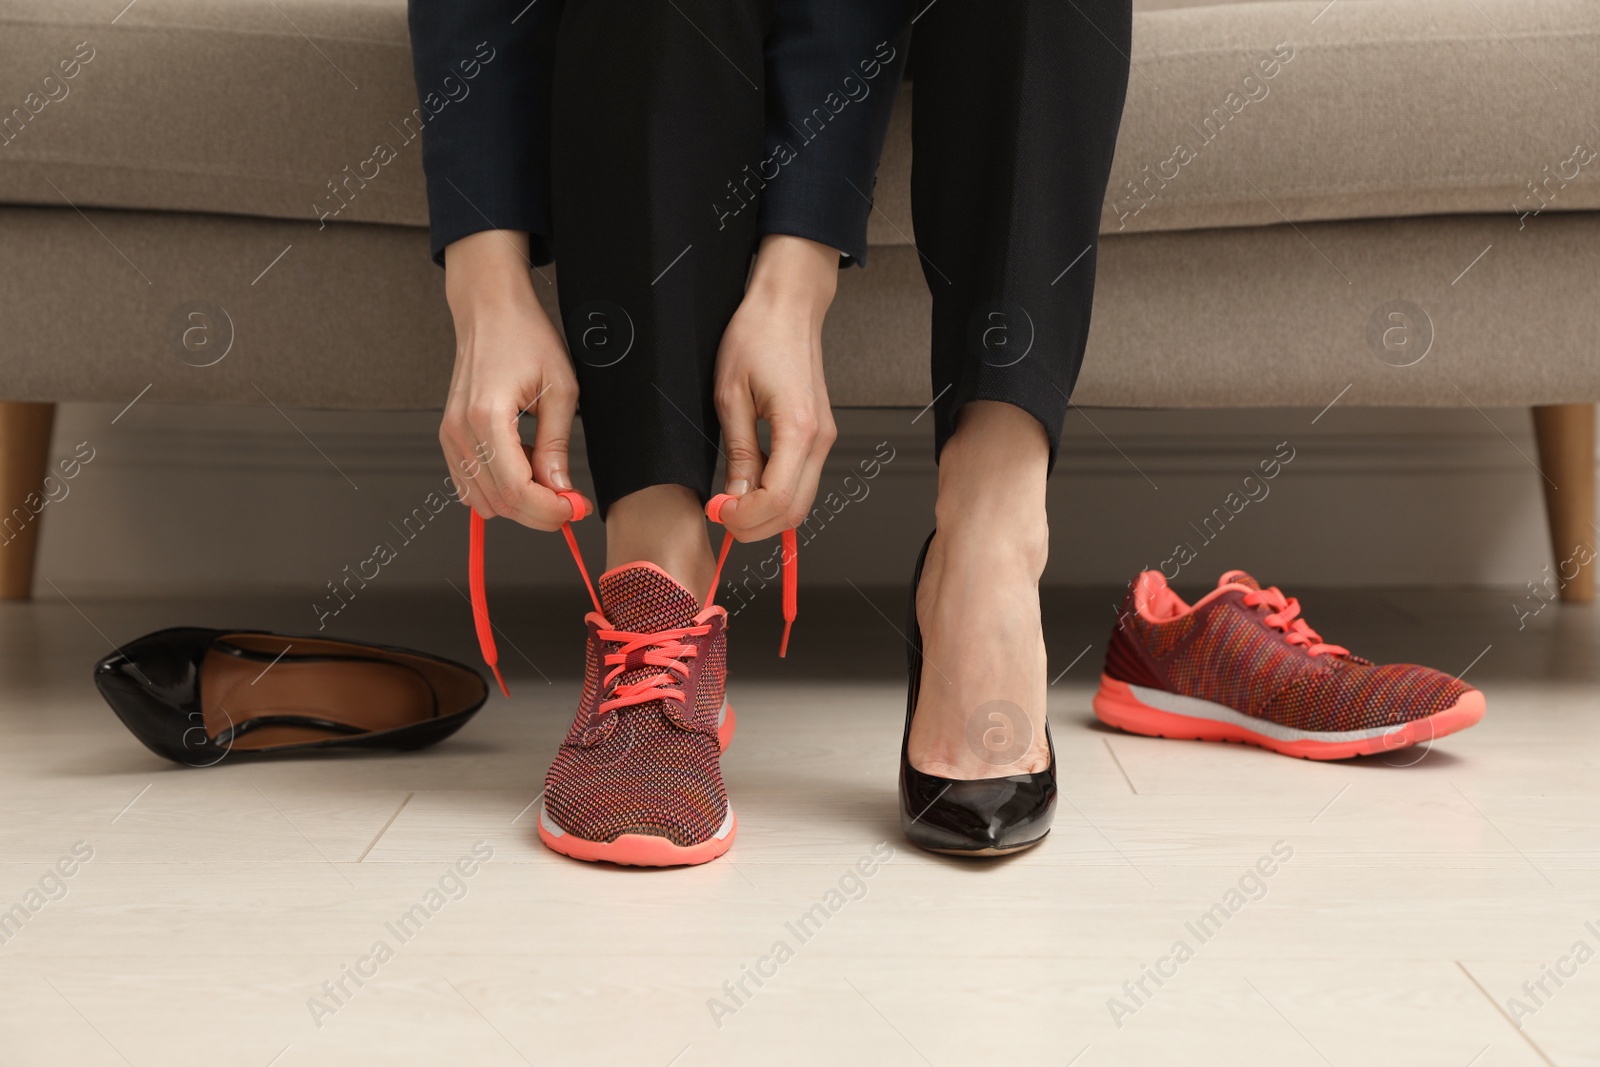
[769, 367]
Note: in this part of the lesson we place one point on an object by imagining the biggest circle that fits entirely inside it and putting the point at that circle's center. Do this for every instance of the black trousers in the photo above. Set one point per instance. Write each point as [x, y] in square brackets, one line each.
[662, 151]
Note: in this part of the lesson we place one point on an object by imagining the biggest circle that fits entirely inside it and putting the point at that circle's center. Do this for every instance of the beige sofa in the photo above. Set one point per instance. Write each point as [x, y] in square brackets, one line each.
[1371, 202]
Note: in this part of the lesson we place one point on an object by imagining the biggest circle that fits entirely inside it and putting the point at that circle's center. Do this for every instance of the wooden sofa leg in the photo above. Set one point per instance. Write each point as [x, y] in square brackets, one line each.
[1566, 452]
[24, 455]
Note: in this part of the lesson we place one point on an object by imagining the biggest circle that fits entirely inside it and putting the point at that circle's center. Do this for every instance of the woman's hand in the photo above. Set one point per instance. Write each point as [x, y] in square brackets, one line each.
[510, 359]
[769, 366]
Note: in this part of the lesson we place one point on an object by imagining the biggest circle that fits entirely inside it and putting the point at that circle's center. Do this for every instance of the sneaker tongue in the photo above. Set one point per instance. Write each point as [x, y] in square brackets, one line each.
[642, 598]
[1238, 578]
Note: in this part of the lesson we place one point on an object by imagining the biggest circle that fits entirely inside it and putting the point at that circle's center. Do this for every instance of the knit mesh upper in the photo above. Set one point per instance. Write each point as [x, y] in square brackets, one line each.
[651, 768]
[1234, 658]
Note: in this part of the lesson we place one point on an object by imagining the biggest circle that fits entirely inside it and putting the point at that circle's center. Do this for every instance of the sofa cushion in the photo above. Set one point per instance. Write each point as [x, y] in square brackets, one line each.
[1387, 108]
[215, 309]
[230, 106]
[305, 109]
[1264, 112]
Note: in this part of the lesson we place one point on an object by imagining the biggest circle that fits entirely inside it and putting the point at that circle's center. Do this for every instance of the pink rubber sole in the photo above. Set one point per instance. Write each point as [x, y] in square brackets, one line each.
[725, 731]
[639, 850]
[1116, 705]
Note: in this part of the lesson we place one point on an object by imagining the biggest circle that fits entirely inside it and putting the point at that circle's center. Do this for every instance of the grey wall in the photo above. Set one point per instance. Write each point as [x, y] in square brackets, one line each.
[191, 499]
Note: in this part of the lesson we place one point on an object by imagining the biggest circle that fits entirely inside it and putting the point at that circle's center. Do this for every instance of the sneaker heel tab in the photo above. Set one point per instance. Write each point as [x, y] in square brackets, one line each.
[714, 506]
[1148, 590]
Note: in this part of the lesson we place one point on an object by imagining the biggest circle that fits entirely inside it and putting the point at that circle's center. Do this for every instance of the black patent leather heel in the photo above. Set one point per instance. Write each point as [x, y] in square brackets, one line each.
[198, 695]
[968, 817]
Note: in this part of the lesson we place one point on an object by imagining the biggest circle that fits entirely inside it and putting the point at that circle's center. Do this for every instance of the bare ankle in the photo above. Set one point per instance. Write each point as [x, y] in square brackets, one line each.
[664, 525]
[992, 479]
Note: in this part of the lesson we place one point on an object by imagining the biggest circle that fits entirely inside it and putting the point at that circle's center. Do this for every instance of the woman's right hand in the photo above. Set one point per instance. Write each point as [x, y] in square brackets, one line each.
[510, 360]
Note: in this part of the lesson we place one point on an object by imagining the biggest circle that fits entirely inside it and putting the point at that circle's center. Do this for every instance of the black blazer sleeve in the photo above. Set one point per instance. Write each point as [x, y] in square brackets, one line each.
[833, 69]
[483, 70]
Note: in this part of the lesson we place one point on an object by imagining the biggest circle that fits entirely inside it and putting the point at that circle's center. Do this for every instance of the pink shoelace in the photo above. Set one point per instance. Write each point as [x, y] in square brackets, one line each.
[1284, 618]
[664, 649]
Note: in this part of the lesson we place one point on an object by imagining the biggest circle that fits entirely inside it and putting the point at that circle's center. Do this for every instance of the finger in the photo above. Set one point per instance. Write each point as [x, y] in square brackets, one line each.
[736, 410]
[827, 434]
[766, 511]
[563, 507]
[520, 497]
[498, 464]
[462, 469]
[556, 406]
[811, 476]
[451, 432]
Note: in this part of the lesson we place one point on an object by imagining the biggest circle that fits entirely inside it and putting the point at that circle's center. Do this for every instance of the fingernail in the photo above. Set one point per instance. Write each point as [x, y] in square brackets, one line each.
[738, 487]
[559, 479]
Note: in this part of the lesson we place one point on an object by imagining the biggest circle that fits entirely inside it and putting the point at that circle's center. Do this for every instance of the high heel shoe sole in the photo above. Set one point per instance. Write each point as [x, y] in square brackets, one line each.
[978, 853]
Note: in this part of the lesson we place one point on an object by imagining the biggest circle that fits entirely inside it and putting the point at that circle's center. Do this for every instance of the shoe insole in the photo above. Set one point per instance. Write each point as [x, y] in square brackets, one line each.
[349, 695]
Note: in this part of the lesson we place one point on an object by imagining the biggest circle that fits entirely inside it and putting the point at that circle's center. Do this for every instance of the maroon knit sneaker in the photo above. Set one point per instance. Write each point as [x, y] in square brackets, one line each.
[1239, 665]
[637, 780]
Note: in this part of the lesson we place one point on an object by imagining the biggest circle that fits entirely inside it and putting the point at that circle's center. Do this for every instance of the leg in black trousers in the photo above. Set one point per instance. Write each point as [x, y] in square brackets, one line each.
[1014, 124]
[650, 125]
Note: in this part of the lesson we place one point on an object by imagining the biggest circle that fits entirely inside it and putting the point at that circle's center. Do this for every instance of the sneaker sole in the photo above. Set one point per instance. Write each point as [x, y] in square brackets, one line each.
[725, 726]
[636, 850]
[1130, 708]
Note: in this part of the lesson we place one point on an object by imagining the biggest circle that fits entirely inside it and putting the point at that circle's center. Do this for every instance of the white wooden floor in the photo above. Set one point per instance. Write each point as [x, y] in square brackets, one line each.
[1417, 900]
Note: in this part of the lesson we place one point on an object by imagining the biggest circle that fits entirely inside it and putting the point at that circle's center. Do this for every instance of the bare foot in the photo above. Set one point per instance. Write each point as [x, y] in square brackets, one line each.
[981, 708]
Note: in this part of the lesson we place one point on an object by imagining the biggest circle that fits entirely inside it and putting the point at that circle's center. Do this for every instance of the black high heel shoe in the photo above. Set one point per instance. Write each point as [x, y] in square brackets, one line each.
[196, 696]
[969, 817]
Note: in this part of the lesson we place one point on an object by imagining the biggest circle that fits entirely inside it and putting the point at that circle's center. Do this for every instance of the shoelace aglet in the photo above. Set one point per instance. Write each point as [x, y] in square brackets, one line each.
[495, 667]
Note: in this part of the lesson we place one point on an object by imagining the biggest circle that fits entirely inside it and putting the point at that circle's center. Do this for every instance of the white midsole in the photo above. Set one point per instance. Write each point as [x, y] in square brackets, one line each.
[1195, 708]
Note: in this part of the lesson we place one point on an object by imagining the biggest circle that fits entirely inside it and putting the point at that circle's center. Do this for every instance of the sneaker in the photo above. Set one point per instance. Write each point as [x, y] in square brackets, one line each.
[1240, 665]
[638, 779]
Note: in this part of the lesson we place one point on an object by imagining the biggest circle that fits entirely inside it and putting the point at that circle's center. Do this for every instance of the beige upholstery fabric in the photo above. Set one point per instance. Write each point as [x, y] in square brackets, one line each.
[1388, 108]
[227, 119]
[354, 316]
[213, 105]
